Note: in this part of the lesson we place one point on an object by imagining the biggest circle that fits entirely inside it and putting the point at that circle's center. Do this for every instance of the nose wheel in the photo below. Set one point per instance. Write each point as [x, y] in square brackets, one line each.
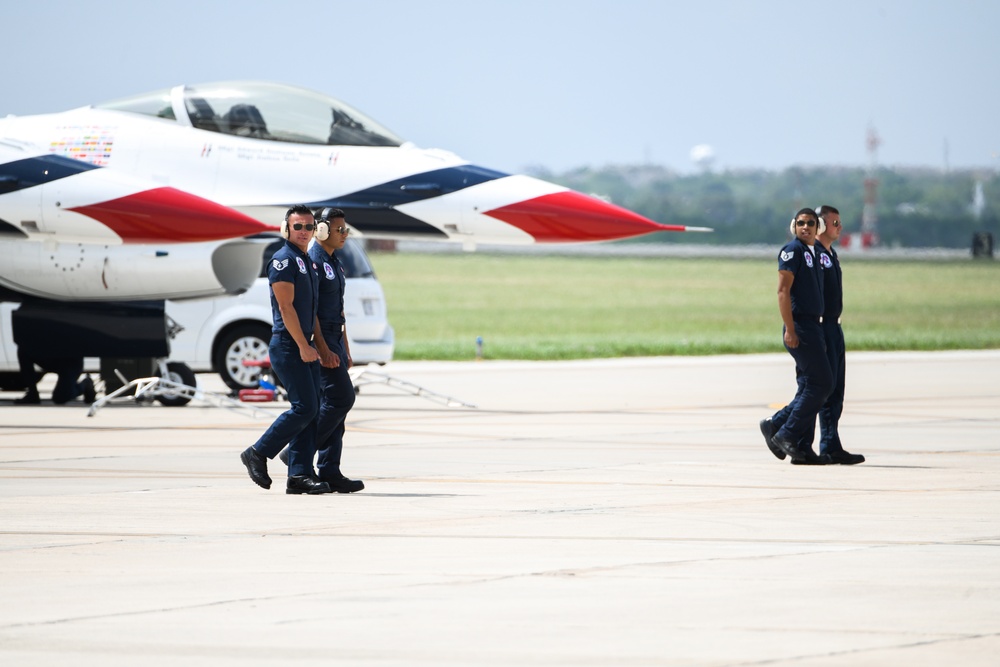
[178, 374]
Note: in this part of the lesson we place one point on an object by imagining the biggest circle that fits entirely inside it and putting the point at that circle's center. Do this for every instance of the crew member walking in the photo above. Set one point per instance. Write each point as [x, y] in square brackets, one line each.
[833, 297]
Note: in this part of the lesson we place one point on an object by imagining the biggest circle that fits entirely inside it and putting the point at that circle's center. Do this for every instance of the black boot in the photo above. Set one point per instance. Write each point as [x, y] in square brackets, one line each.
[340, 484]
[802, 456]
[767, 429]
[306, 484]
[89, 392]
[29, 398]
[845, 458]
[256, 464]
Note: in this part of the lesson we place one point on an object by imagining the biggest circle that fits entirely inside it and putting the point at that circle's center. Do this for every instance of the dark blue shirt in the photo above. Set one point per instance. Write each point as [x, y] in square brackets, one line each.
[291, 265]
[332, 281]
[807, 288]
[833, 284]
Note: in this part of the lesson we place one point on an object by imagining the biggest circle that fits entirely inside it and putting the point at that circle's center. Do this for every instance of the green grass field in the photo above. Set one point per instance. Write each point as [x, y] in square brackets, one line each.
[528, 307]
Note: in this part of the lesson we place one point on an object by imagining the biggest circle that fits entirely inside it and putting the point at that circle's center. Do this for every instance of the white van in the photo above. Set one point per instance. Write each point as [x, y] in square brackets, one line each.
[219, 334]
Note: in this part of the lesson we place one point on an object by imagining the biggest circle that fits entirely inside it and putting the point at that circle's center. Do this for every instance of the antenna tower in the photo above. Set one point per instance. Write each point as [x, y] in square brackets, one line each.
[869, 218]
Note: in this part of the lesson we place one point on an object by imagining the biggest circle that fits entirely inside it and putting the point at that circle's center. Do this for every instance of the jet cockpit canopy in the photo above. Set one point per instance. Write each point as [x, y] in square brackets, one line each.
[261, 110]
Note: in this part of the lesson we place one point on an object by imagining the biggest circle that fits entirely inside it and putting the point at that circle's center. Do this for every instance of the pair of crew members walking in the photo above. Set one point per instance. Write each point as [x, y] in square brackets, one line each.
[310, 355]
[810, 300]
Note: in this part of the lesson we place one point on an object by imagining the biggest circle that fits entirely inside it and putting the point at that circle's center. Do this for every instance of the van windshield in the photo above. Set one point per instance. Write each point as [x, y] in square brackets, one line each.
[355, 261]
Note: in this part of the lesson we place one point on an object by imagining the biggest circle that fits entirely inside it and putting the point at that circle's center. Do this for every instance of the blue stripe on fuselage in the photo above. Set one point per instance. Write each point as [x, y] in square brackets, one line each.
[373, 210]
[413, 188]
[38, 170]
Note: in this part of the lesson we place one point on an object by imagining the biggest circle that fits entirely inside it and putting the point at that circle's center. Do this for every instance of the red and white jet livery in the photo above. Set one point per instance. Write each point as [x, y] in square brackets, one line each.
[259, 147]
[158, 196]
[73, 231]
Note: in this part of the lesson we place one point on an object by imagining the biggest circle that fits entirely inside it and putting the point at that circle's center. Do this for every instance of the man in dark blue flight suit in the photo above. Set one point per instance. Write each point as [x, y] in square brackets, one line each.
[801, 304]
[830, 446]
[336, 389]
[294, 293]
[829, 414]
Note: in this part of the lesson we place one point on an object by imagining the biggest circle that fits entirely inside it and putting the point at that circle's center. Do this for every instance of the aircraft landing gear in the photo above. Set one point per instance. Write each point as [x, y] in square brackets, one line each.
[180, 374]
[172, 383]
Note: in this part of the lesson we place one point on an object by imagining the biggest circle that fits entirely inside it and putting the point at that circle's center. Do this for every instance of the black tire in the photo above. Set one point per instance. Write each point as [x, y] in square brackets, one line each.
[181, 374]
[243, 342]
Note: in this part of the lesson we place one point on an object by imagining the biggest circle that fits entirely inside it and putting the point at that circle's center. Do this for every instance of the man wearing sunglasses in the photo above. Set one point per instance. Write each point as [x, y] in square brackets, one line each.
[833, 297]
[294, 295]
[830, 446]
[336, 388]
[801, 304]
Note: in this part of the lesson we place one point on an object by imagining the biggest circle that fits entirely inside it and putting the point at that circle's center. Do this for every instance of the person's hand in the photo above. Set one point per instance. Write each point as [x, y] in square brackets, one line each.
[328, 359]
[308, 354]
[791, 339]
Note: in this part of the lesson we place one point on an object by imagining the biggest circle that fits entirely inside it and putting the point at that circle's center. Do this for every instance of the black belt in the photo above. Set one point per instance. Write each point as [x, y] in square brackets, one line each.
[807, 318]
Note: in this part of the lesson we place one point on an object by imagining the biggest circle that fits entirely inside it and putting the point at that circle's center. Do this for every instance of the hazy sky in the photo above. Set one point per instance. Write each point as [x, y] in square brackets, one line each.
[561, 83]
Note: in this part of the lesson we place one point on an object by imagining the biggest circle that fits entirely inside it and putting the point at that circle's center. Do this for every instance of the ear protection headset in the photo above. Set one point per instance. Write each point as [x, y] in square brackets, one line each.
[819, 229]
[323, 222]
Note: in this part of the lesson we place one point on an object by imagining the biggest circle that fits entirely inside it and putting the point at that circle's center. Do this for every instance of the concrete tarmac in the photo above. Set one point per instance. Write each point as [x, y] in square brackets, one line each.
[605, 512]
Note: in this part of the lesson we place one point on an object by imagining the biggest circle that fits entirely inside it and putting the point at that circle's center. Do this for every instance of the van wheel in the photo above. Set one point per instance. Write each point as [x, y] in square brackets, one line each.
[245, 342]
[181, 374]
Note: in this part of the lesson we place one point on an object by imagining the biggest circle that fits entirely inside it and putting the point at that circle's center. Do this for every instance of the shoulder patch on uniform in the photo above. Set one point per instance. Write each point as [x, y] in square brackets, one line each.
[302, 265]
[786, 255]
[824, 259]
[809, 259]
[328, 271]
[279, 264]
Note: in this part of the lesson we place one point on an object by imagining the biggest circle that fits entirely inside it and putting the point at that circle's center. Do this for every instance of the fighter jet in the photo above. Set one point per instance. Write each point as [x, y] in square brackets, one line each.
[259, 147]
[132, 199]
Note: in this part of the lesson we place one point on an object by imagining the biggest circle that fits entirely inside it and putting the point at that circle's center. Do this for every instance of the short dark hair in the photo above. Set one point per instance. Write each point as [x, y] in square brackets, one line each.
[806, 211]
[298, 209]
[826, 208]
[327, 214]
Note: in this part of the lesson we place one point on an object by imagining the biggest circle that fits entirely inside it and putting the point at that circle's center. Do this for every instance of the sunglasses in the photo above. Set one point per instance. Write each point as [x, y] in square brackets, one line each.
[298, 226]
[805, 223]
[343, 230]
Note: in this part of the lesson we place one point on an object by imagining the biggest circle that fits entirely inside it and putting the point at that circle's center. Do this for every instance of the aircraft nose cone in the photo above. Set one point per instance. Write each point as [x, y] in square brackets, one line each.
[168, 215]
[570, 216]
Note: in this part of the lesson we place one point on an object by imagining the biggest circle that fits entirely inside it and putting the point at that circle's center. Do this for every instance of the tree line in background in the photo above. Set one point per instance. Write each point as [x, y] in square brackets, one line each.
[915, 207]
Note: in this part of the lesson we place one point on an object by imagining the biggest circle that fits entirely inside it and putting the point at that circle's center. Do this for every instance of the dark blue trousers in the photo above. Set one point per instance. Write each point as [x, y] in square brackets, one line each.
[336, 400]
[297, 425]
[829, 414]
[833, 407]
[814, 380]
